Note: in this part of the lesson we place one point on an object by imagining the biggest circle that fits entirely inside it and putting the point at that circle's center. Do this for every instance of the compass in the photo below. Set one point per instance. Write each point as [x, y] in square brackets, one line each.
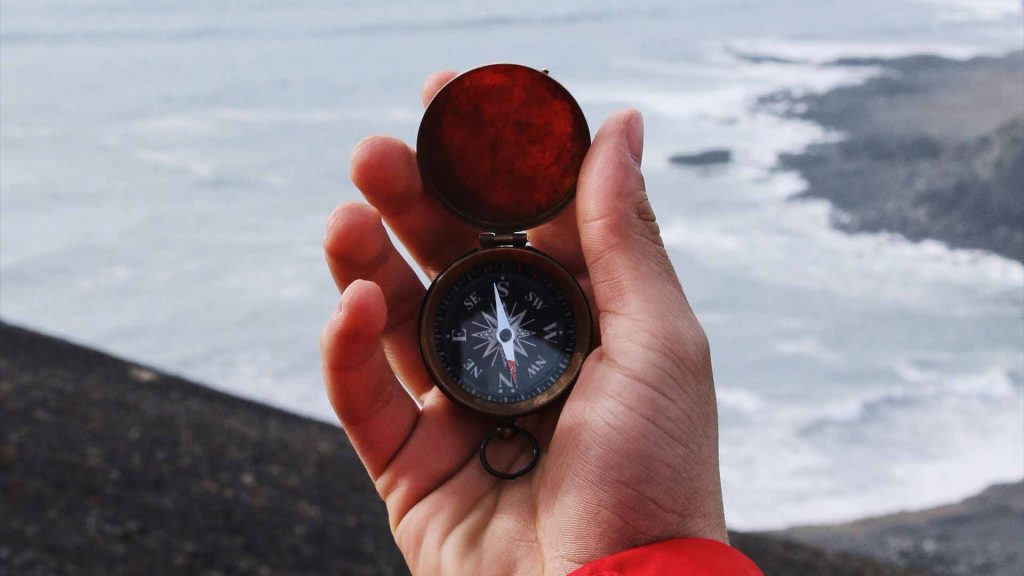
[504, 329]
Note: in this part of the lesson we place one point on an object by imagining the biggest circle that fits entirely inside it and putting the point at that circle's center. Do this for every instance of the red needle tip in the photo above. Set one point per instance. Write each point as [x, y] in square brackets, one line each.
[512, 369]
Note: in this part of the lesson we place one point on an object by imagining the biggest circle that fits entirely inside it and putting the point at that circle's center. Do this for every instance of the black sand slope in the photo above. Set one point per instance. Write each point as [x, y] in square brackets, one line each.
[107, 467]
[111, 468]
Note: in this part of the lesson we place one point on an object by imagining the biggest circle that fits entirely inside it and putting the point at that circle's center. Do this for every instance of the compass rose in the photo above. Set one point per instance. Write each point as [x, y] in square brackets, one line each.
[487, 334]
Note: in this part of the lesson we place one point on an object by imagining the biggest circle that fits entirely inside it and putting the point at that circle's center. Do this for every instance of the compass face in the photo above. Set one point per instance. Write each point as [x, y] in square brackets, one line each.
[506, 331]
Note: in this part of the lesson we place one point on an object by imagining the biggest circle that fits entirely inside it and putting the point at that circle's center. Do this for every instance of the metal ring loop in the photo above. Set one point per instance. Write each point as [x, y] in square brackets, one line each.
[509, 431]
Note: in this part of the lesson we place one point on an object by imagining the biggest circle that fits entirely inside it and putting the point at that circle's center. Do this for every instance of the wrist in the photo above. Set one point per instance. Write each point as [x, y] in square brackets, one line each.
[681, 556]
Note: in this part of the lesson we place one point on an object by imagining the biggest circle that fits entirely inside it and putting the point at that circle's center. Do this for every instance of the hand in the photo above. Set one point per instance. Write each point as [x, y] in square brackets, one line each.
[632, 455]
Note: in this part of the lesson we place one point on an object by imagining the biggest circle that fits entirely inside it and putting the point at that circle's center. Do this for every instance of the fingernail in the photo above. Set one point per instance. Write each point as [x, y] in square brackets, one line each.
[340, 307]
[635, 137]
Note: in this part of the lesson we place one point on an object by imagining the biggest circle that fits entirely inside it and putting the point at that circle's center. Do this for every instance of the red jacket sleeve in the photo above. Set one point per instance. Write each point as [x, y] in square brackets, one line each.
[682, 557]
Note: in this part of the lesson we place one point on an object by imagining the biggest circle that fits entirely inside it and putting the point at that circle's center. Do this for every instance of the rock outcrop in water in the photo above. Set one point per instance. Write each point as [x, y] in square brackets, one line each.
[704, 158]
[933, 148]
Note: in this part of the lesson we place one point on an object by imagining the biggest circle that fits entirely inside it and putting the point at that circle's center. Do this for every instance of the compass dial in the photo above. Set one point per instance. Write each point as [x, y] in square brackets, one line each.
[506, 332]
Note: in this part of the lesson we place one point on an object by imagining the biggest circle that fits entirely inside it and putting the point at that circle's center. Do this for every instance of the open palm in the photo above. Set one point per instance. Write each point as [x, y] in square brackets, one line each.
[631, 456]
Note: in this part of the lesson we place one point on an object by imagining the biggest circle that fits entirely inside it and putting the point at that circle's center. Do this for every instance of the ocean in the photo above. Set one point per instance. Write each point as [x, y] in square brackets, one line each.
[167, 168]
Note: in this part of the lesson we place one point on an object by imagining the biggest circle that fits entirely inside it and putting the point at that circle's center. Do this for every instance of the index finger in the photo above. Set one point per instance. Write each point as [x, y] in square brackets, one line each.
[433, 84]
[385, 170]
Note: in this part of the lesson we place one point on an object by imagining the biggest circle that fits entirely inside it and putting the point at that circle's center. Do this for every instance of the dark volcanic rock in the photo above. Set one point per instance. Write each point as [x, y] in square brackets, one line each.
[705, 158]
[782, 557]
[980, 536]
[107, 467]
[934, 148]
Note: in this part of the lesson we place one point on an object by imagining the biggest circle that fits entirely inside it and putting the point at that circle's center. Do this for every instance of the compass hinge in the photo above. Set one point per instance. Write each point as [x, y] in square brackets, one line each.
[493, 240]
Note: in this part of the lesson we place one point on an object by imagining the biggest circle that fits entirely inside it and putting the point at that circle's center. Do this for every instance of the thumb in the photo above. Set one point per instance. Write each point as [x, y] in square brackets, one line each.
[630, 272]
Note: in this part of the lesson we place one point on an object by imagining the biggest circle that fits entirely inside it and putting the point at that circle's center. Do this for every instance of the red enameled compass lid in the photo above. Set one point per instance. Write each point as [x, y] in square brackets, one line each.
[502, 145]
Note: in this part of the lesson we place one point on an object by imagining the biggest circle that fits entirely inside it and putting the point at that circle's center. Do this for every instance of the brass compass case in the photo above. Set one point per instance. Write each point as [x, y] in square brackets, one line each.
[501, 147]
[581, 318]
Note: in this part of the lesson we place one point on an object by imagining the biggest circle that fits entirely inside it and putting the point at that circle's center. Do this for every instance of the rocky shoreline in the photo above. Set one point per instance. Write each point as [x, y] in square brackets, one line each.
[108, 467]
[979, 536]
[931, 148]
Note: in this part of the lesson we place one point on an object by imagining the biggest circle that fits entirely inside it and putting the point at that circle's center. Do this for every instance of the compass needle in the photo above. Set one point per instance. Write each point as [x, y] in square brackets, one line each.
[506, 336]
